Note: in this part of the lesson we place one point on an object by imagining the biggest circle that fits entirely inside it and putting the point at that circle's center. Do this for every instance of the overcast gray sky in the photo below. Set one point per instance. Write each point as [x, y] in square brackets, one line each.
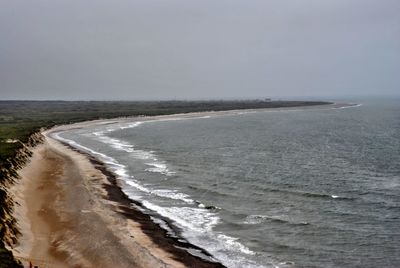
[183, 49]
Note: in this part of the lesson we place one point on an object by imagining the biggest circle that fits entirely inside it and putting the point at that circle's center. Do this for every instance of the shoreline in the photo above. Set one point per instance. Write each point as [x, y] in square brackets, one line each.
[88, 123]
[105, 199]
[131, 209]
[72, 213]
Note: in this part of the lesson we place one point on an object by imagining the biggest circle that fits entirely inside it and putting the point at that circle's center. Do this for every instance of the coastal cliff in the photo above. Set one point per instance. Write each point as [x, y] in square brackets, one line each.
[8, 175]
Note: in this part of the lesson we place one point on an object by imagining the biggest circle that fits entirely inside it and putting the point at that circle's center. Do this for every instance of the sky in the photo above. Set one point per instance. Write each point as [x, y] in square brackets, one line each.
[198, 49]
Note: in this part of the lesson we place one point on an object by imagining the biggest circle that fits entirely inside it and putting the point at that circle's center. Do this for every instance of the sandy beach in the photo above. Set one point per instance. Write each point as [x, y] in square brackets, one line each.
[72, 213]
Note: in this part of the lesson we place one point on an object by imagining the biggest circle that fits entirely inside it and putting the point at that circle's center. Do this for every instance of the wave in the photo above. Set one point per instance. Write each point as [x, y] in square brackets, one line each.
[201, 205]
[197, 225]
[104, 157]
[173, 194]
[159, 167]
[113, 142]
[193, 219]
[322, 195]
[156, 166]
[233, 243]
[258, 219]
[351, 105]
[310, 194]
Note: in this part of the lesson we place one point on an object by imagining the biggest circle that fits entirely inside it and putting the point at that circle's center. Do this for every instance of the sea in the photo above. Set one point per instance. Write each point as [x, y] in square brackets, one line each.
[304, 187]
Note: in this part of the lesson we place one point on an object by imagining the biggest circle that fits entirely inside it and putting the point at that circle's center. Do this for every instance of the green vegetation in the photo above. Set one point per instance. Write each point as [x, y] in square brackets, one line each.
[19, 120]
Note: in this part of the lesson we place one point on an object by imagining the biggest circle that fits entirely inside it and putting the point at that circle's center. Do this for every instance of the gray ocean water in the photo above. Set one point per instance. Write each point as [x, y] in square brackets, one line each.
[303, 188]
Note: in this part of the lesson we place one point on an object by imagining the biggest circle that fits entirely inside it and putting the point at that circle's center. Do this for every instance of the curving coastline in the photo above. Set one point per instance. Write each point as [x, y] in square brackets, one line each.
[73, 214]
[69, 194]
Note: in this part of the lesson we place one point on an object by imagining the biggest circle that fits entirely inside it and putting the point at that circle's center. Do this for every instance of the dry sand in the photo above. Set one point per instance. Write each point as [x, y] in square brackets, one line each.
[67, 220]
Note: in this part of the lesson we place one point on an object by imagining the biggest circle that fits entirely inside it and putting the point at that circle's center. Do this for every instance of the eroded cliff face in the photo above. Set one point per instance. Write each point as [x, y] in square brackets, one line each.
[8, 176]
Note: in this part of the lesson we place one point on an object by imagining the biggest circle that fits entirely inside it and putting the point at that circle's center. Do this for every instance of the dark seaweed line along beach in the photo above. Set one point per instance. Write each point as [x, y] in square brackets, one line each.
[177, 246]
[21, 122]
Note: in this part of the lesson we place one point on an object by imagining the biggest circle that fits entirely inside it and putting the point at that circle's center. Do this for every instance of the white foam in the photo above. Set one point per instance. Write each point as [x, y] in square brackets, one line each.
[117, 126]
[257, 219]
[234, 244]
[130, 125]
[77, 145]
[193, 219]
[115, 143]
[165, 193]
[98, 133]
[198, 224]
[143, 155]
[138, 186]
[173, 194]
[349, 106]
[122, 145]
[159, 167]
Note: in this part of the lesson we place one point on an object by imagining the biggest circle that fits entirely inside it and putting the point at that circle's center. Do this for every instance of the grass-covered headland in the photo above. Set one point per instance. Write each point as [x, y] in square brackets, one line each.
[21, 122]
